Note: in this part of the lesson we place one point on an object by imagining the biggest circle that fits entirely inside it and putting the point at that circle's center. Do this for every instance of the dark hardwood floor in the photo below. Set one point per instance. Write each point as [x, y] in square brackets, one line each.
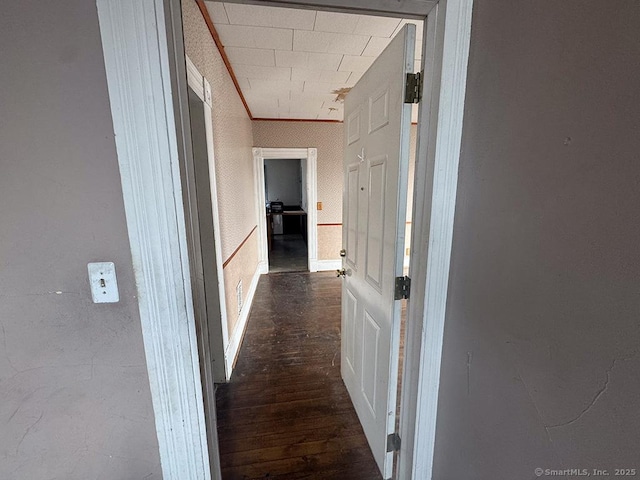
[286, 413]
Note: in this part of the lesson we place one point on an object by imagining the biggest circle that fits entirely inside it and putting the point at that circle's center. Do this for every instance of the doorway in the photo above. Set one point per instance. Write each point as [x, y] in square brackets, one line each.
[286, 212]
[156, 246]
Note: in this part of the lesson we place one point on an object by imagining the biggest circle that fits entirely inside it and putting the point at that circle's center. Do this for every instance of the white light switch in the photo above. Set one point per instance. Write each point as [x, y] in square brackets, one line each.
[104, 287]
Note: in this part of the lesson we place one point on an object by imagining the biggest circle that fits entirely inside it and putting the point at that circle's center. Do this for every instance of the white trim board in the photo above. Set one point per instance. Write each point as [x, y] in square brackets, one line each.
[139, 70]
[446, 54]
[200, 85]
[309, 155]
[235, 340]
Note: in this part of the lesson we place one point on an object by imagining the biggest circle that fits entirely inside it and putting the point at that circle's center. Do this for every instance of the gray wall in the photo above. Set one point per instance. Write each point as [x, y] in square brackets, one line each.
[74, 393]
[283, 181]
[540, 363]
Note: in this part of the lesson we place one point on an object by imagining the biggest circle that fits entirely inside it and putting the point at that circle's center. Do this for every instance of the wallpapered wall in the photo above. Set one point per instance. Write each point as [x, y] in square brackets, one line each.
[233, 140]
[328, 139]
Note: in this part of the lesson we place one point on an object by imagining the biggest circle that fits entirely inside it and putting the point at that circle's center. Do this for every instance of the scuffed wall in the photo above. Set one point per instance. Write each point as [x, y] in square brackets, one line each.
[74, 392]
[540, 362]
[233, 140]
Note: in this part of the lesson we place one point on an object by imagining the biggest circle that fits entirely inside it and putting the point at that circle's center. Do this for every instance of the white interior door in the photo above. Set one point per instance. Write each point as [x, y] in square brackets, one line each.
[377, 123]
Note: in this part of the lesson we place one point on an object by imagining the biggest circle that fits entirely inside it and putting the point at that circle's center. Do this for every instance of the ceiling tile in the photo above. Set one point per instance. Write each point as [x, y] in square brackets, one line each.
[300, 115]
[331, 111]
[336, 22]
[217, 12]
[304, 41]
[324, 61]
[323, 97]
[321, 87]
[255, 37]
[308, 60]
[266, 86]
[301, 105]
[262, 112]
[289, 61]
[244, 83]
[376, 26]
[260, 101]
[265, 73]
[353, 63]
[278, 17]
[354, 77]
[251, 56]
[286, 58]
[376, 46]
[328, 76]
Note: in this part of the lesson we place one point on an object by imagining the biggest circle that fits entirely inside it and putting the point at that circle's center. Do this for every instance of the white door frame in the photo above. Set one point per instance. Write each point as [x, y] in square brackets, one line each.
[446, 39]
[145, 67]
[309, 155]
[199, 84]
[146, 79]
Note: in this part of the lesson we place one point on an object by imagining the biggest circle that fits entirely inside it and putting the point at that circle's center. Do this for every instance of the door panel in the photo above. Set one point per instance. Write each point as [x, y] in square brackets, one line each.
[370, 349]
[374, 202]
[375, 221]
[348, 335]
[351, 240]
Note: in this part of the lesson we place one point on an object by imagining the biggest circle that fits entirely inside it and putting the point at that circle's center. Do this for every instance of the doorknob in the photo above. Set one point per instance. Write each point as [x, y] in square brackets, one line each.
[343, 253]
[341, 272]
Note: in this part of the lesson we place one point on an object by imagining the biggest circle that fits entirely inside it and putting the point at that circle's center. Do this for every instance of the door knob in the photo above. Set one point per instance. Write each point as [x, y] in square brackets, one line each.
[343, 253]
[341, 272]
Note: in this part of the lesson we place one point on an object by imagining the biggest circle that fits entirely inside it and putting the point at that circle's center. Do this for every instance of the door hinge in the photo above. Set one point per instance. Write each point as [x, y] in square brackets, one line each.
[393, 442]
[403, 288]
[413, 88]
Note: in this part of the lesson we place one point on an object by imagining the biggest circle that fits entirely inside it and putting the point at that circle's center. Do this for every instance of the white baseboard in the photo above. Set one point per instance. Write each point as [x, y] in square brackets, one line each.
[326, 265]
[263, 267]
[235, 340]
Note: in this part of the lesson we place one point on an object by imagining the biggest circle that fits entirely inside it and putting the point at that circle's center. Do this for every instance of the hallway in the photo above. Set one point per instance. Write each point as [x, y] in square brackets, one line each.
[286, 413]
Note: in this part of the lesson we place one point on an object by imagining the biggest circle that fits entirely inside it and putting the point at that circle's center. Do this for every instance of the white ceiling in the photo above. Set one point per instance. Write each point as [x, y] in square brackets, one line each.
[289, 62]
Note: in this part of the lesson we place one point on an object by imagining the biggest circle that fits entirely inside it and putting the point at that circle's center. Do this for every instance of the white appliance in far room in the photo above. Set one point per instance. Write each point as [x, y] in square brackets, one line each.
[277, 223]
[276, 215]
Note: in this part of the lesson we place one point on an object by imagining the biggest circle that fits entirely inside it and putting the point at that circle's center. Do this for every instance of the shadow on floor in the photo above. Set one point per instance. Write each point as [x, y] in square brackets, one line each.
[288, 254]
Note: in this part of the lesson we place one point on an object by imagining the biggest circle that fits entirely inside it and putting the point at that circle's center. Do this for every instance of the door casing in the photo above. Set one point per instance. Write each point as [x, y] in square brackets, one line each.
[308, 155]
[218, 332]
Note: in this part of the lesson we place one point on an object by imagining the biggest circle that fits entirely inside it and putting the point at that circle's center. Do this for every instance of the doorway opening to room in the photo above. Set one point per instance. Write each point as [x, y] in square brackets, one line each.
[444, 149]
[286, 194]
[286, 212]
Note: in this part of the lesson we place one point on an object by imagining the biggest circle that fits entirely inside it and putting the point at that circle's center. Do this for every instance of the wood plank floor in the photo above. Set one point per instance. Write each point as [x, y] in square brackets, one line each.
[286, 413]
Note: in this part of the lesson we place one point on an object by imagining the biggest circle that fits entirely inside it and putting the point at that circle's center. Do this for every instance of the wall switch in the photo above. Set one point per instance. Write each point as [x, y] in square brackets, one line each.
[104, 286]
[319, 205]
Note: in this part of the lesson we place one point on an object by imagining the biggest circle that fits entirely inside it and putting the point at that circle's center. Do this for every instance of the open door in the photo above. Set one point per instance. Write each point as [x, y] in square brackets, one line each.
[377, 124]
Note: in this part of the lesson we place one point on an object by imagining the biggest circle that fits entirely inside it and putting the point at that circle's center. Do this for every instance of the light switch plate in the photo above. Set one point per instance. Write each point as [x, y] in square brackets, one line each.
[104, 286]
